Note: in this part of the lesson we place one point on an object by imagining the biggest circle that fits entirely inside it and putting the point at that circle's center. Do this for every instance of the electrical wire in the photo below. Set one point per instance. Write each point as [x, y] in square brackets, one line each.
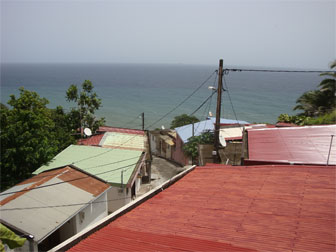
[64, 205]
[70, 180]
[200, 106]
[187, 98]
[73, 163]
[226, 70]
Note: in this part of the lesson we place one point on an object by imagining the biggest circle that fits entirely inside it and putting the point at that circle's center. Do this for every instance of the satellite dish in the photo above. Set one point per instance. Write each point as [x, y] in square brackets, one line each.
[210, 113]
[87, 132]
[163, 127]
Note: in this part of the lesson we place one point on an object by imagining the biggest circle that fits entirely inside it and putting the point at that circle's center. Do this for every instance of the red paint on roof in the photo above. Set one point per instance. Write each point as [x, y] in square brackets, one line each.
[296, 145]
[93, 140]
[120, 130]
[230, 208]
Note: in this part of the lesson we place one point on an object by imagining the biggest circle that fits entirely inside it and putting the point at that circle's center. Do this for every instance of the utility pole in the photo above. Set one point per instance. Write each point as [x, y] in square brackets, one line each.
[216, 158]
[143, 120]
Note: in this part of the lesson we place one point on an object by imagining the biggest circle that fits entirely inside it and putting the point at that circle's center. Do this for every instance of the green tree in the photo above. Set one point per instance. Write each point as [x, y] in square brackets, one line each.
[191, 147]
[27, 137]
[182, 120]
[9, 238]
[319, 102]
[87, 103]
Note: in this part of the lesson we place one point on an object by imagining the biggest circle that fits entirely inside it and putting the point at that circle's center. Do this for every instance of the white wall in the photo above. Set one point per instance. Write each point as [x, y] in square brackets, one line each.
[94, 212]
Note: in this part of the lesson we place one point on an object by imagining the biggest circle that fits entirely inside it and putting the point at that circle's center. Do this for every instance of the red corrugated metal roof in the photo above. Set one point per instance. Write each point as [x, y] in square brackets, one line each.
[225, 208]
[93, 140]
[120, 130]
[296, 145]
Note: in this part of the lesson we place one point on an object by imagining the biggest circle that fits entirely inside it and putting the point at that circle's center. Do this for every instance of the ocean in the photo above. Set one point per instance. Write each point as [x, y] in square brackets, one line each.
[127, 90]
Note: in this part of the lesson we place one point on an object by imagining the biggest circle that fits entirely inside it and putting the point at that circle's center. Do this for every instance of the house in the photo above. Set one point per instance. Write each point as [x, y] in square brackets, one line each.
[196, 129]
[122, 138]
[53, 206]
[122, 169]
[309, 145]
[225, 208]
[162, 143]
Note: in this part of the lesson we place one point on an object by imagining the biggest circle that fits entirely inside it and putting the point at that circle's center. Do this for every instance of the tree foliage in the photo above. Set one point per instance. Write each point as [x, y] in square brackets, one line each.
[87, 103]
[191, 147]
[321, 101]
[182, 120]
[9, 238]
[28, 136]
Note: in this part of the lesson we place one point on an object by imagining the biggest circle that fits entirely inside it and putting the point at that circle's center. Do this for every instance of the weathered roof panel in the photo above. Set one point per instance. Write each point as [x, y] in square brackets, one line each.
[263, 208]
[123, 141]
[104, 163]
[296, 145]
[31, 210]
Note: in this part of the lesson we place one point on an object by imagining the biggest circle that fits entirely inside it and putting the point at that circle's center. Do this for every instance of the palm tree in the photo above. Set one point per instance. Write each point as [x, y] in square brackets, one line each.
[319, 102]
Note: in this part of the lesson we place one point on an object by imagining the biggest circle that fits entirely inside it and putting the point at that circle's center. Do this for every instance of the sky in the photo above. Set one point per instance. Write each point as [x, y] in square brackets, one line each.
[271, 33]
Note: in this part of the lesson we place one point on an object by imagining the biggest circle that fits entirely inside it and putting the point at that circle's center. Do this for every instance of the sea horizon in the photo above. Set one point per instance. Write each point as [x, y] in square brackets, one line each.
[128, 89]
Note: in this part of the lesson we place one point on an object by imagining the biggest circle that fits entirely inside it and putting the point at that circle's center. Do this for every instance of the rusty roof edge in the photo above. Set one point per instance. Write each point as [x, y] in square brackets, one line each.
[67, 244]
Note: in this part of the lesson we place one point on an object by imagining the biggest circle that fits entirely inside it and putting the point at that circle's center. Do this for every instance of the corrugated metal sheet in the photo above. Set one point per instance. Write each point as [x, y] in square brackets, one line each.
[93, 140]
[106, 164]
[41, 219]
[297, 145]
[123, 141]
[185, 132]
[120, 130]
[264, 208]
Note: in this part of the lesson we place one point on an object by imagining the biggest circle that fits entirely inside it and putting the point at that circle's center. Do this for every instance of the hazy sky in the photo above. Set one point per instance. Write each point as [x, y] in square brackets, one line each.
[269, 33]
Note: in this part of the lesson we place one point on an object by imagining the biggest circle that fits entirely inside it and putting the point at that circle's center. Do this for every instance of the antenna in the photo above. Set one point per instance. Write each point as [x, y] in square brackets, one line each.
[87, 132]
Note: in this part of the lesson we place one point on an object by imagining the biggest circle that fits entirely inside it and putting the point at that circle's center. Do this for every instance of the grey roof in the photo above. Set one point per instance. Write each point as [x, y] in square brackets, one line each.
[33, 213]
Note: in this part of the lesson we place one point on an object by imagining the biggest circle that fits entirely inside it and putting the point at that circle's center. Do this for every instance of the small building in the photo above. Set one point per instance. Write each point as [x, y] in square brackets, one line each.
[225, 208]
[162, 143]
[196, 129]
[122, 169]
[53, 206]
[307, 145]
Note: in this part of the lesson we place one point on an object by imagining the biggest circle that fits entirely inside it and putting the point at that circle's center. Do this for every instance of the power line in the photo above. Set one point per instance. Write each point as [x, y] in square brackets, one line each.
[226, 70]
[200, 106]
[117, 146]
[70, 180]
[187, 98]
[64, 205]
[228, 92]
[116, 162]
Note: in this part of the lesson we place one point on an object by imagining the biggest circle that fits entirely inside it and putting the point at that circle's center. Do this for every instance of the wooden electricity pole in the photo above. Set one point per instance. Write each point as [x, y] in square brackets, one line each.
[218, 110]
[143, 120]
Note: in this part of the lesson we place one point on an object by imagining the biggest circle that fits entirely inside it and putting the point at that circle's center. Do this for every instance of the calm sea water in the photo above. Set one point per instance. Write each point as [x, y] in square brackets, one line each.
[127, 90]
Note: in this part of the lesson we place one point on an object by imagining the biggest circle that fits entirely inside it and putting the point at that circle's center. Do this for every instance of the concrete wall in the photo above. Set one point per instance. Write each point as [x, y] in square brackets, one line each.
[177, 152]
[118, 197]
[153, 141]
[92, 213]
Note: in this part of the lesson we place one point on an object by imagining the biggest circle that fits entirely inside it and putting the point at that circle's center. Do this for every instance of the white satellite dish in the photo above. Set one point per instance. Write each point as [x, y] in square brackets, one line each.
[163, 127]
[222, 140]
[87, 132]
[210, 113]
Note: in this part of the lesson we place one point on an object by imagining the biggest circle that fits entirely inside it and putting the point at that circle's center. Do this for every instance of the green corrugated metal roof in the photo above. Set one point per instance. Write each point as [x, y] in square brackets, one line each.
[123, 140]
[104, 163]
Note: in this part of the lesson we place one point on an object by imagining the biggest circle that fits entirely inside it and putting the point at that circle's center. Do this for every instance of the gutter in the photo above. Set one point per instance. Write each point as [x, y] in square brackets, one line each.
[72, 241]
